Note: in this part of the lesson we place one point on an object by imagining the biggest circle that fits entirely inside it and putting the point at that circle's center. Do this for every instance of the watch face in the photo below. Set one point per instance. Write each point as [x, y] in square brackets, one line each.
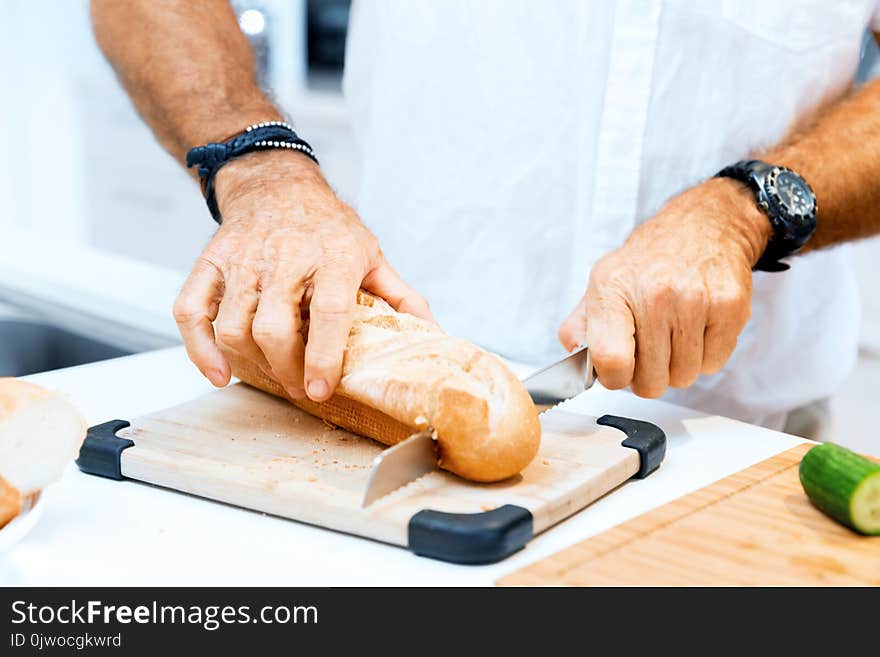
[793, 194]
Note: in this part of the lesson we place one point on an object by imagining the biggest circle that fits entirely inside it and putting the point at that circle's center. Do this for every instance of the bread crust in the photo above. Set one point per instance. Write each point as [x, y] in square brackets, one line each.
[402, 374]
[15, 394]
[10, 502]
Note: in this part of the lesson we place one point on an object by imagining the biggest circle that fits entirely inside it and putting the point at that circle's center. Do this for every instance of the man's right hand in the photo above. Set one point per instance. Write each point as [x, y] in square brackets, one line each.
[286, 242]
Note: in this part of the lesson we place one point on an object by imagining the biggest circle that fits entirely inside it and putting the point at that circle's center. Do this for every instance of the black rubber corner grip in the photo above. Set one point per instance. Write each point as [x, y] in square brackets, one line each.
[470, 538]
[646, 438]
[101, 451]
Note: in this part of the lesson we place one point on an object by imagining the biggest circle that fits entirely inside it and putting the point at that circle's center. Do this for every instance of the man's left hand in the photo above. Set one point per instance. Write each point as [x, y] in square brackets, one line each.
[671, 302]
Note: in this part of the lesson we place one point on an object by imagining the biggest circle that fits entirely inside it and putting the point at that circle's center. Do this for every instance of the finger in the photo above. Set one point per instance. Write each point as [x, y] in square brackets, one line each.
[234, 323]
[573, 331]
[334, 294]
[727, 316]
[194, 312]
[719, 341]
[386, 283]
[276, 330]
[689, 325]
[653, 345]
[610, 335]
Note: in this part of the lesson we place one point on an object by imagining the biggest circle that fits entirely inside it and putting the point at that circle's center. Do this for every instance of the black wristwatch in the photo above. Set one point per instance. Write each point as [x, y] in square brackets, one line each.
[789, 202]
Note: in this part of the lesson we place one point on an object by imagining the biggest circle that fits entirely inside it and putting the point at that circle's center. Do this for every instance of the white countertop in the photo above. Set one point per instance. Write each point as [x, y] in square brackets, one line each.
[92, 291]
[100, 532]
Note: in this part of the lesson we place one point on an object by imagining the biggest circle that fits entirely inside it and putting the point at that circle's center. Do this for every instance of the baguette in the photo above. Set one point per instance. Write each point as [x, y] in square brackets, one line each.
[403, 374]
[40, 433]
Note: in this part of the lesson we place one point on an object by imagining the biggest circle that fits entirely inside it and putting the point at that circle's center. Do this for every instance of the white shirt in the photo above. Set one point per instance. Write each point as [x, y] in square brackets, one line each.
[507, 145]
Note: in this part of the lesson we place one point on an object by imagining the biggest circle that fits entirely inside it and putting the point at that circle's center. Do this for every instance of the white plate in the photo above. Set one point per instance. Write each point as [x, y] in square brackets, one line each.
[16, 529]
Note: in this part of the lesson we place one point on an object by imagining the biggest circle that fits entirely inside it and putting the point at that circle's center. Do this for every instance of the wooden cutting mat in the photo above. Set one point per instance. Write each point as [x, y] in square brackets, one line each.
[754, 528]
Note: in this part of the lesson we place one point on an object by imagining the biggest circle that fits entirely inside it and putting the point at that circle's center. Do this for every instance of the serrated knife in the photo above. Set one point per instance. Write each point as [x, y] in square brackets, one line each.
[562, 380]
[417, 455]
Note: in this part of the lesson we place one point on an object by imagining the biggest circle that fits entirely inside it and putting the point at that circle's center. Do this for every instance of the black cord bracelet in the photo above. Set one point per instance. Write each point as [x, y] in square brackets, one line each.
[261, 136]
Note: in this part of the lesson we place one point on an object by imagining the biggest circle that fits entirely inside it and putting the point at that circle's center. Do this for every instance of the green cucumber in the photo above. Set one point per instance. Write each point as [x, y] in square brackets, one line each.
[844, 485]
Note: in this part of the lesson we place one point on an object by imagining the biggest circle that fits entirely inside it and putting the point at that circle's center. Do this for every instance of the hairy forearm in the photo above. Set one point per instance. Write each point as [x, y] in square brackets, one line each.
[839, 155]
[186, 66]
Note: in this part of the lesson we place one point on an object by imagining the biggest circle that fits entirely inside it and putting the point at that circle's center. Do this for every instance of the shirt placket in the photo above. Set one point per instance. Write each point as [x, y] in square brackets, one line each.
[618, 152]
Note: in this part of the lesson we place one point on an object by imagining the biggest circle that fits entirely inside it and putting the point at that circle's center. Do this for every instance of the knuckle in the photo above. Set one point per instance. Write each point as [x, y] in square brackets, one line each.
[186, 311]
[717, 355]
[341, 258]
[650, 390]
[370, 245]
[323, 361]
[682, 378]
[330, 304]
[268, 333]
[659, 293]
[415, 303]
[604, 275]
[692, 296]
[603, 267]
[613, 364]
[731, 299]
[612, 382]
[420, 302]
[345, 251]
[233, 334]
[614, 370]
[712, 366]
[208, 260]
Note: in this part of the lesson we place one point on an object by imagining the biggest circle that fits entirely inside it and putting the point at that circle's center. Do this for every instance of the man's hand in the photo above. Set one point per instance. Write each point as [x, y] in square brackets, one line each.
[672, 301]
[286, 242]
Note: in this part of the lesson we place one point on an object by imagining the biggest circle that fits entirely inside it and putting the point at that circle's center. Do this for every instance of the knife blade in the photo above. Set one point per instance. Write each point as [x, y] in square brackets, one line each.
[399, 465]
[416, 456]
[563, 379]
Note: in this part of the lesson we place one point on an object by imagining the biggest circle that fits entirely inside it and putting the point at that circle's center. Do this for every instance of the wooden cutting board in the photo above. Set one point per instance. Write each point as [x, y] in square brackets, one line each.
[244, 447]
[754, 528]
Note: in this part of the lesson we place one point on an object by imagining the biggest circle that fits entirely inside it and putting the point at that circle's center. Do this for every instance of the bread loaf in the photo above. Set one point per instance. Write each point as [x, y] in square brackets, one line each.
[40, 433]
[403, 374]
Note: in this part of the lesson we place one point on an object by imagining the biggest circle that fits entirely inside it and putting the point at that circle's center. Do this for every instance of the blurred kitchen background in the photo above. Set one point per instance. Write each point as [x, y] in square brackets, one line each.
[93, 247]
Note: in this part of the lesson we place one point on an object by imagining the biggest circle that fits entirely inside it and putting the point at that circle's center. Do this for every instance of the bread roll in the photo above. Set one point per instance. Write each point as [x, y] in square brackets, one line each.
[40, 433]
[403, 374]
[10, 502]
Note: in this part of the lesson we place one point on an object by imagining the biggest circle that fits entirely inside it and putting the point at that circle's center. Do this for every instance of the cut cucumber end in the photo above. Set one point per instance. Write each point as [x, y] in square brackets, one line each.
[865, 506]
[844, 485]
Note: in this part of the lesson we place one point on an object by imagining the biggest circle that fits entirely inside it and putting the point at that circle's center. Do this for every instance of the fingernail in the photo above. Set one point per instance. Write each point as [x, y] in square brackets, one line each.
[215, 377]
[318, 389]
[296, 393]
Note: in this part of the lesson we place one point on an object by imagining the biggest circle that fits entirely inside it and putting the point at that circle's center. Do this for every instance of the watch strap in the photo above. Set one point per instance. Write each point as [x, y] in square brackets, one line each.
[746, 171]
[752, 172]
